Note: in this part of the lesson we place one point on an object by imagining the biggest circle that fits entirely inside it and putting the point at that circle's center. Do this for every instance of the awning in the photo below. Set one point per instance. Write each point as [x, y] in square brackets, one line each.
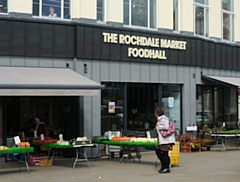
[233, 81]
[29, 81]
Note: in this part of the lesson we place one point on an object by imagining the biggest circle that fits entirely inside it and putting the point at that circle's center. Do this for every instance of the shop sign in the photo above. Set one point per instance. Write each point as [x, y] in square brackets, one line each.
[149, 42]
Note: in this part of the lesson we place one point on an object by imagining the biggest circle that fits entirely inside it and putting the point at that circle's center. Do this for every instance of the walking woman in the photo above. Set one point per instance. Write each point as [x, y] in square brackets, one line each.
[164, 144]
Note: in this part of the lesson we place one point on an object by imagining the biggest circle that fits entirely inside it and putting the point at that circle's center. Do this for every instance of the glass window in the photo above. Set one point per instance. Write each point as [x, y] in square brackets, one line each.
[227, 20]
[175, 15]
[171, 103]
[100, 10]
[3, 6]
[216, 106]
[140, 13]
[201, 1]
[205, 108]
[130, 106]
[52, 8]
[201, 17]
[112, 107]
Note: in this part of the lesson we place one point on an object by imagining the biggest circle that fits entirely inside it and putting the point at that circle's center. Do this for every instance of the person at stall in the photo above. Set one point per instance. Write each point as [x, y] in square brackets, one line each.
[40, 127]
[164, 144]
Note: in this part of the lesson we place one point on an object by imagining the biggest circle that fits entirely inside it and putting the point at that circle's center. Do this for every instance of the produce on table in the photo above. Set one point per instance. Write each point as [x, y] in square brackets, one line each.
[193, 145]
[230, 132]
[141, 139]
[133, 139]
[118, 139]
[46, 140]
[82, 141]
[23, 144]
[82, 138]
[3, 147]
[100, 138]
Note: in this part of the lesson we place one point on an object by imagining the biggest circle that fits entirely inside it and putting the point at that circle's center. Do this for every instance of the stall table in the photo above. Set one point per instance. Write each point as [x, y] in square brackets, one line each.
[56, 148]
[127, 144]
[222, 138]
[18, 150]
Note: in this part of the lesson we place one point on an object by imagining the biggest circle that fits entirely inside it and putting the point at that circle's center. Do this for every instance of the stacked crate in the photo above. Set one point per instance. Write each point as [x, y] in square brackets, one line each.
[174, 154]
[188, 145]
[185, 143]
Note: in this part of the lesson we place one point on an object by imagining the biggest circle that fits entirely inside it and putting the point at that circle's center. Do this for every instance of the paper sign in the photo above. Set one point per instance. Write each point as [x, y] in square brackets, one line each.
[191, 128]
[170, 101]
[111, 107]
[35, 134]
[42, 136]
[17, 140]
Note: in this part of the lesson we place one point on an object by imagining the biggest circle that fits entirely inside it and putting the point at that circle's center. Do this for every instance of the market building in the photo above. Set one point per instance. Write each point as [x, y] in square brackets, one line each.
[182, 55]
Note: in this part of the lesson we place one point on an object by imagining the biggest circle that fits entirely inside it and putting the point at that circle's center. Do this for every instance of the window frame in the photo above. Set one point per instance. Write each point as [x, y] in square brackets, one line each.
[231, 13]
[103, 11]
[176, 7]
[3, 13]
[205, 6]
[40, 14]
[148, 14]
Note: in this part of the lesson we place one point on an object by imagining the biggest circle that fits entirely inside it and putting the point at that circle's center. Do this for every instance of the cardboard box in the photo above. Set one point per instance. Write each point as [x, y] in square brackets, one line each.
[35, 159]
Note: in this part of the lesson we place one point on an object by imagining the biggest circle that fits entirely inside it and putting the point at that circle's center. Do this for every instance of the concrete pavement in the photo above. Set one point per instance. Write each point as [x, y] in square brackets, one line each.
[209, 166]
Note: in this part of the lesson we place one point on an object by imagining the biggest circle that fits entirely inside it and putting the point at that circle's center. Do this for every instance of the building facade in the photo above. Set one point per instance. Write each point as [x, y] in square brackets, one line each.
[176, 54]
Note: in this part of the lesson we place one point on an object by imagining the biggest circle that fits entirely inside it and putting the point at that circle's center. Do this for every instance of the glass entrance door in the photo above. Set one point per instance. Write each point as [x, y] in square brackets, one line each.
[142, 100]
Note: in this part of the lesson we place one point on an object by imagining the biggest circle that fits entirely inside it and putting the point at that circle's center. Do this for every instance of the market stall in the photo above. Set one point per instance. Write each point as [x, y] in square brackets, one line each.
[133, 145]
[55, 147]
[18, 150]
[130, 147]
[221, 137]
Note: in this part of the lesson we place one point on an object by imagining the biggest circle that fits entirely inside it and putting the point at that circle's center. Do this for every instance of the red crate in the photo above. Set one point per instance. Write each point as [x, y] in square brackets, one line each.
[36, 158]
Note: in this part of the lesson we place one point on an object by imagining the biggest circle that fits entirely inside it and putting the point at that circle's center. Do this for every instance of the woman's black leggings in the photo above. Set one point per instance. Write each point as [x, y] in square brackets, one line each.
[163, 157]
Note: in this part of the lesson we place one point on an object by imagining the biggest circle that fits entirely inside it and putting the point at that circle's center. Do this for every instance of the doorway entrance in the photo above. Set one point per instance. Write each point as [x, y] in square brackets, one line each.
[142, 100]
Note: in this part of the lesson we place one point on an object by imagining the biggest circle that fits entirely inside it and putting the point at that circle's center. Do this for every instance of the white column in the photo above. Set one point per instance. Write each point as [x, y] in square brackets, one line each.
[215, 19]
[84, 9]
[113, 11]
[236, 21]
[20, 6]
[165, 14]
[186, 16]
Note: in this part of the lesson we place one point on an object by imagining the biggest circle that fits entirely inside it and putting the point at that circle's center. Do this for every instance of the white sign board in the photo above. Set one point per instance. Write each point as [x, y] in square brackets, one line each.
[170, 101]
[17, 140]
[191, 128]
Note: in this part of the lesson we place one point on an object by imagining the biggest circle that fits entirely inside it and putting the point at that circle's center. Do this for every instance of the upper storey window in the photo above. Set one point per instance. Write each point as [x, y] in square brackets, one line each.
[52, 8]
[227, 20]
[175, 15]
[3, 6]
[100, 10]
[201, 18]
[141, 13]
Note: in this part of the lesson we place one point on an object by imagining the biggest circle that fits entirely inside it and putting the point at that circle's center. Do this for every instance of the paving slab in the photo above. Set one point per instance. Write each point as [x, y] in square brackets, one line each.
[209, 166]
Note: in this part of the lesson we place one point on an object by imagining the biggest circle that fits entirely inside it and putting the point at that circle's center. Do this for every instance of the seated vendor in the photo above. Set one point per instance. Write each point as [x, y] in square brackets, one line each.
[40, 127]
